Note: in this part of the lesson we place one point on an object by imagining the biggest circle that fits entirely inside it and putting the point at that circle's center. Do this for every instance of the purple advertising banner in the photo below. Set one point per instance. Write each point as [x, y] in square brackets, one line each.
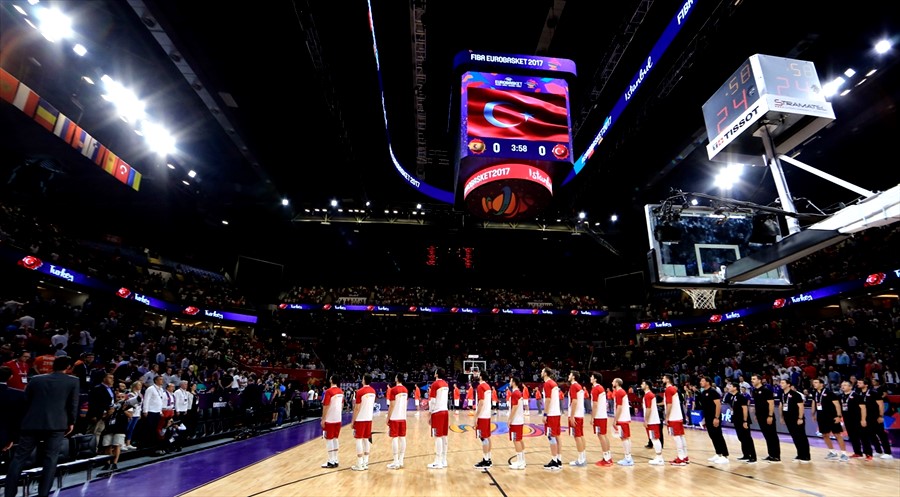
[872, 281]
[414, 309]
[531, 63]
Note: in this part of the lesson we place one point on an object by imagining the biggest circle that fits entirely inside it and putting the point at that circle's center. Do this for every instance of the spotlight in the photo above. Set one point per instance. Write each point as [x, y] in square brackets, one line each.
[285, 202]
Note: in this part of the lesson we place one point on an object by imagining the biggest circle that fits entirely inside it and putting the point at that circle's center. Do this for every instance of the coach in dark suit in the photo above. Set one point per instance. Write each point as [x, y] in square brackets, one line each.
[50, 413]
[12, 401]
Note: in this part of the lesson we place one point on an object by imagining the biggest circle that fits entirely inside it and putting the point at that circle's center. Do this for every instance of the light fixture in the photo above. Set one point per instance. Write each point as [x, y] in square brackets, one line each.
[368, 203]
[873, 71]
[418, 206]
[694, 201]
[185, 182]
[306, 210]
[830, 88]
[582, 215]
[79, 49]
[285, 202]
[614, 218]
[849, 72]
[883, 46]
[170, 166]
[192, 174]
[54, 25]
[20, 10]
[845, 92]
[87, 80]
[225, 222]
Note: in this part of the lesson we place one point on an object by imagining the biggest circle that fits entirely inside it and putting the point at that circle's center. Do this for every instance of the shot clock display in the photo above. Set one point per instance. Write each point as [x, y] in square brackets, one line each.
[786, 92]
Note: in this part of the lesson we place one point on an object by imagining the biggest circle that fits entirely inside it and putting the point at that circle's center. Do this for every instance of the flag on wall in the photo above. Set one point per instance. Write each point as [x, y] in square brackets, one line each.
[8, 85]
[46, 115]
[26, 100]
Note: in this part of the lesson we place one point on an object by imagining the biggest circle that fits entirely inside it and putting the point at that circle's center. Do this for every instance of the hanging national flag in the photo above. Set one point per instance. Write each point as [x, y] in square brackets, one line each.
[8, 86]
[122, 171]
[134, 180]
[26, 100]
[64, 128]
[111, 163]
[509, 114]
[99, 156]
[46, 115]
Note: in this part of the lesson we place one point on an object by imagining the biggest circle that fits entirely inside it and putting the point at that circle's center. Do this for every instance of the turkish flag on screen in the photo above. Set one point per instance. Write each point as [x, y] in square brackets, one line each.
[509, 114]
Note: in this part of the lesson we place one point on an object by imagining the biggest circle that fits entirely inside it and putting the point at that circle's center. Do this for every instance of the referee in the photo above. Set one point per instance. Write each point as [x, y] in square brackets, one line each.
[764, 401]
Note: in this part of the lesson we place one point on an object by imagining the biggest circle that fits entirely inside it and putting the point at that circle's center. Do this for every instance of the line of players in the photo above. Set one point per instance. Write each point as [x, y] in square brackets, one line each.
[828, 409]
[398, 395]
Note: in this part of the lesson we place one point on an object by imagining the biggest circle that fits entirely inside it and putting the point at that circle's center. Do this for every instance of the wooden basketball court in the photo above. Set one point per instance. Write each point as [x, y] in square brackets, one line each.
[296, 471]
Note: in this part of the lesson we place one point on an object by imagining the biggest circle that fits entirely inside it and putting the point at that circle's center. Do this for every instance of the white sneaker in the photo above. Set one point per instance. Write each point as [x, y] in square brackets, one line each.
[721, 460]
[577, 463]
[517, 465]
[443, 464]
[394, 465]
[713, 458]
[657, 461]
[436, 465]
[357, 467]
[887, 456]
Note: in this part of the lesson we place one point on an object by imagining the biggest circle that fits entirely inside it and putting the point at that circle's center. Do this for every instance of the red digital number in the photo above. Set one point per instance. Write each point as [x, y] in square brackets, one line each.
[779, 86]
[737, 103]
[719, 124]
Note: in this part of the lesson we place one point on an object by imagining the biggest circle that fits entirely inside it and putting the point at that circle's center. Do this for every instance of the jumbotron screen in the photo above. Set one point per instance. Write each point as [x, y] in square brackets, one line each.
[515, 117]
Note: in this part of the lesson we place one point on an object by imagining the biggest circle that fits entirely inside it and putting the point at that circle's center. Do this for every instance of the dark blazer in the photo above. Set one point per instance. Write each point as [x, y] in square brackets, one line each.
[52, 402]
[12, 410]
[99, 400]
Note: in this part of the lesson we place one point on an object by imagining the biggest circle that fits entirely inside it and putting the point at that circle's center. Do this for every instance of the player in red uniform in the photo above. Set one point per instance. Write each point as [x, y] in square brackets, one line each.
[440, 420]
[576, 417]
[516, 422]
[495, 401]
[456, 397]
[525, 396]
[332, 407]
[622, 419]
[599, 411]
[470, 397]
[363, 411]
[675, 421]
[552, 413]
[537, 400]
[652, 422]
[483, 395]
[398, 397]
[417, 395]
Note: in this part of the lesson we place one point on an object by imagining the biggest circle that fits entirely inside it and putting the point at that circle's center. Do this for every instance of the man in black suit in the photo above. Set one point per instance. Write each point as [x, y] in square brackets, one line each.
[100, 398]
[50, 414]
[13, 402]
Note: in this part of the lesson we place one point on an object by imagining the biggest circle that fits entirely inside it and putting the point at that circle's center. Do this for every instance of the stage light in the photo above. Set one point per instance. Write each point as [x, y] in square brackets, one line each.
[882, 47]
[285, 202]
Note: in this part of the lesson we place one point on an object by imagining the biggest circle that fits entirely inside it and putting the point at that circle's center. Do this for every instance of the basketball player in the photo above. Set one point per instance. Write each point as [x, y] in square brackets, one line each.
[332, 406]
[525, 396]
[483, 420]
[826, 410]
[456, 397]
[363, 410]
[417, 395]
[537, 400]
[552, 413]
[516, 421]
[675, 420]
[440, 419]
[793, 413]
[622, 419]
[576, 417]
[599, 408]
[470, 396]
[652, 422]
[764, 401]
[396, 420]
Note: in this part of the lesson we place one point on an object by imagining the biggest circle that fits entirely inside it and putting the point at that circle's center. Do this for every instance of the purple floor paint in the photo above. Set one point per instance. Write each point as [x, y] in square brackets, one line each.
[182, 474]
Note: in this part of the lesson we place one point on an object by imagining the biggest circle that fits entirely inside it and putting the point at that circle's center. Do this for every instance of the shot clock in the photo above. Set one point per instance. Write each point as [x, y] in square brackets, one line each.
[784, 93]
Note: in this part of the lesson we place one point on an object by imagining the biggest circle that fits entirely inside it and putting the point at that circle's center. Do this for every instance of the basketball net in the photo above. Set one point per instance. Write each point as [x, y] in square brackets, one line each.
[704, 298]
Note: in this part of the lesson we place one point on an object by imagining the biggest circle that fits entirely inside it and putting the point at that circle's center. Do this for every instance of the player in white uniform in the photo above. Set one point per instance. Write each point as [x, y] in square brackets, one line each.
[652, 423]
[576, 417]
[599, 407]
[623, 420]
[332, 408]
[362, 423]
[675, 421]
[440, 419]
[398, 396]
[516, 423]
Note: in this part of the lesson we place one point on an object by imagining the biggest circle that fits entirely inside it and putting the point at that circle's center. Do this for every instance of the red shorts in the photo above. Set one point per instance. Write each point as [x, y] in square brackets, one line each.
[362, 429]
[576, 429]
[516, 433]
[676, 427]
[551, 426]
[331, 431]
[626, 429]
[440, 424]
[397, 428]
[653, 432]
[483, 428]
[600, 426]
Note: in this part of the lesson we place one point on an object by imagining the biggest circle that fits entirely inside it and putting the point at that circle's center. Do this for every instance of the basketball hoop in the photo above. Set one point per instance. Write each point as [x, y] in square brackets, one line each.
[704, 298]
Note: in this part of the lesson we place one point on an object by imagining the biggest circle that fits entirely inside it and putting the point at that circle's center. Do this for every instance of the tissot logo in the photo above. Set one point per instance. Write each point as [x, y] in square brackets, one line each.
[732, 315]
[60, 272]
[662, 324]
[803, 297]
[213, 314]
[142, 299]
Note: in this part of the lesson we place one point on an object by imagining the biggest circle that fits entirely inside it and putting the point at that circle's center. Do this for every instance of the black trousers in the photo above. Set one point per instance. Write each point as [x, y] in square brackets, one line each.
[798, 435]
[48, 443]
[879, 437]
[855, 433]
[773, 445]
[747, 447]
[718, 440]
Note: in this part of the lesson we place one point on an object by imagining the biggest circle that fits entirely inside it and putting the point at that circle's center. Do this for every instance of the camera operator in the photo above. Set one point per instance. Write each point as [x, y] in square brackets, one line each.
[116, 419]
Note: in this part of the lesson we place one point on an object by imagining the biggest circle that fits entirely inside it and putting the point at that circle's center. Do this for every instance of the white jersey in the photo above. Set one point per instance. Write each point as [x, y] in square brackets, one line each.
[674, 413]
[365, 399]
[651, 413]
[333, 404]
[551, 398]
[576, 400]
[621, 398]
[399, 398]
[598, 395]
[485, 395]
[518, 400]
[437, 396]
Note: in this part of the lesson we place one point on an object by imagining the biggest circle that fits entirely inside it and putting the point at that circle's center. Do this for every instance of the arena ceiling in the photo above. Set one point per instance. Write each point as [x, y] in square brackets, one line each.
[282, 100]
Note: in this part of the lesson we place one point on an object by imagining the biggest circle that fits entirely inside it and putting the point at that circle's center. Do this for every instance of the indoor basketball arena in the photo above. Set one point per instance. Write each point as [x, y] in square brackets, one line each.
[428, 247]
